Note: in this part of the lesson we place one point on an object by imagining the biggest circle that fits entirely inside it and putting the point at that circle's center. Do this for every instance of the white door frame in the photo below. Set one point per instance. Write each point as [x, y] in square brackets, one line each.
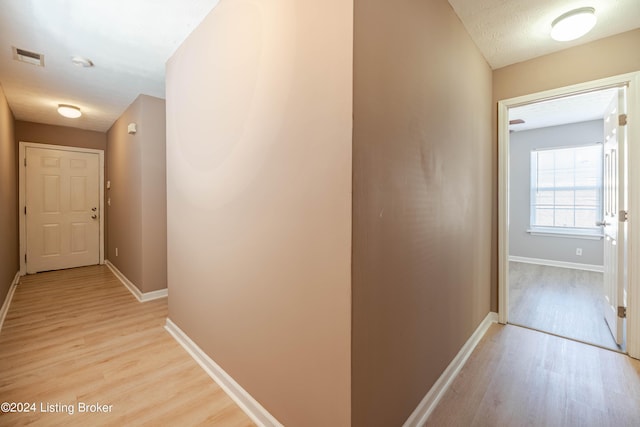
[22, 194]
[633, 138]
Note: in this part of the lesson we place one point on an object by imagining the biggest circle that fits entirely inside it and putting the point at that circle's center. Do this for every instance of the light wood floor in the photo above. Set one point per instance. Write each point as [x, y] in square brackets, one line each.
[78, 335]
[562, 301]
[519, 377]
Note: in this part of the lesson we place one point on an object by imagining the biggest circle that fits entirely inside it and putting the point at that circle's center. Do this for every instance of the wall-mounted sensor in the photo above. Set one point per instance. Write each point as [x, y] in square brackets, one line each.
[131, 129]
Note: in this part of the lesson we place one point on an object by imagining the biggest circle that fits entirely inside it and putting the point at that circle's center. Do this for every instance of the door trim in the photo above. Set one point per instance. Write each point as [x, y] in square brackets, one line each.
[22, 193]
[633, 188]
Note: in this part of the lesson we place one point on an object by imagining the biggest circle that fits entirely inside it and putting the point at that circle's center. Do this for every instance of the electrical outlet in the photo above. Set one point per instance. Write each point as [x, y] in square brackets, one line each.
[579, 251]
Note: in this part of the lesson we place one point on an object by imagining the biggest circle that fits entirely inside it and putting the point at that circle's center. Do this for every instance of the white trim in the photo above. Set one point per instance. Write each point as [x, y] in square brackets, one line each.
[565, 233]
[561, 264]
[140, 296]
[503, 213]
[22, 194]
[430, 401]
[633, 129]
[243, 399]
[7, 301]
[633, 158]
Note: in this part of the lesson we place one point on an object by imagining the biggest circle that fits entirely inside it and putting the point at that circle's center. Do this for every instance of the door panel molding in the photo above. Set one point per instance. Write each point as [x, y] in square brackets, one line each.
[632, 80]
[23, 145]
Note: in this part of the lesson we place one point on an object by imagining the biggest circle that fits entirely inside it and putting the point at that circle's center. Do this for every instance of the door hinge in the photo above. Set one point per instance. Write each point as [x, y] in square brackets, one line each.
[25, 161]
[622, 312]
[622, 120]
[623, 216]
[25, 258]
[25, 210]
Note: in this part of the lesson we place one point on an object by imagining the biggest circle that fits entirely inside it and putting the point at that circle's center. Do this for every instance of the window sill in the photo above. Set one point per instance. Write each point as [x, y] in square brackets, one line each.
[572, 234]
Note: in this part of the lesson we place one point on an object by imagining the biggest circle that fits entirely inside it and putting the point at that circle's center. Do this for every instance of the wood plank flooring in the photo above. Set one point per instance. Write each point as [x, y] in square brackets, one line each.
[519, 377]
[78, 336]
[562, 301]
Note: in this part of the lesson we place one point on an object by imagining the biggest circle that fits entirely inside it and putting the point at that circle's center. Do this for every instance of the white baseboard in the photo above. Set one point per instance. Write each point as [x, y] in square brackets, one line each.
[243, 399]
[141, 296]
[430, 401]
[553, 263]
[7, 301]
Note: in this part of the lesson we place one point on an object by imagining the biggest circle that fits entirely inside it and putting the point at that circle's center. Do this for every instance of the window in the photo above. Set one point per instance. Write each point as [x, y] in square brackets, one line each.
[566, 189]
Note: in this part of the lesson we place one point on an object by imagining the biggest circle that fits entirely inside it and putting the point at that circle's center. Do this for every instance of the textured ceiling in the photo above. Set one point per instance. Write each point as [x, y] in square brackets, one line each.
[560, 111]
[510, 31]
[128, 40]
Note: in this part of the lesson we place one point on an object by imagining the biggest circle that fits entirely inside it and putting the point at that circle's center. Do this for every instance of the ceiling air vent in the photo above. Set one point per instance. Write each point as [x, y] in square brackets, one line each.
[28, 57]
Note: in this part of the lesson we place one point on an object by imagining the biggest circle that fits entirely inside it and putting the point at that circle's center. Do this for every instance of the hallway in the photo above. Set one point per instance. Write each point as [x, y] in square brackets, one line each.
[77, 336]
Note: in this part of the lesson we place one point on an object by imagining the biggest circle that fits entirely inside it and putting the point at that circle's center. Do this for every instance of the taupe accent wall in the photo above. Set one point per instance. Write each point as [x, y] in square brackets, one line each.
[422, 202]
[60, 135]
[9, 261]
[602, 58]
[137, 212]
[259, 104]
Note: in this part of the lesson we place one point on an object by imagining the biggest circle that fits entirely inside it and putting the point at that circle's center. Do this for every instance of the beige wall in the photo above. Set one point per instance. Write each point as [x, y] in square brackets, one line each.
[153, 137]
[421, 202]
[9, 264]
[124, 213]
[137, 214]
[60, 135]
[259, 196]
[607, 57]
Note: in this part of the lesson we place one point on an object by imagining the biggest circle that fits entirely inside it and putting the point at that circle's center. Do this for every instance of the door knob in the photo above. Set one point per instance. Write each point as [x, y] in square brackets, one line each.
[602, 223]
[94, 216]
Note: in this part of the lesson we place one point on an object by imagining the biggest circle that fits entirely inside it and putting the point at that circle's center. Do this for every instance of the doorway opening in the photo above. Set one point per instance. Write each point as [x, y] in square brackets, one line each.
[556, 201]
[565, 194]
[61, 195]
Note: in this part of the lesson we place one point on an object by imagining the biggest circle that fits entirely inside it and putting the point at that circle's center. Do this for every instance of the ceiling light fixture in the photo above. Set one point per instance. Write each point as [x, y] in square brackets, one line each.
[573, 24]
[69, 111]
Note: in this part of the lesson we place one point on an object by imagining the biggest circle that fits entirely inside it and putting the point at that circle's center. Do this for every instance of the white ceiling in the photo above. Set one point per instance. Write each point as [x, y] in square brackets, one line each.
[510, 31]
[130, 40]
[570, 109]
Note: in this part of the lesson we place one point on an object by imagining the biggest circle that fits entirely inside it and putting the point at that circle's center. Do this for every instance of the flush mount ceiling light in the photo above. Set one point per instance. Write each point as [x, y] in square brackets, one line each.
[573, 24]
[70, 111]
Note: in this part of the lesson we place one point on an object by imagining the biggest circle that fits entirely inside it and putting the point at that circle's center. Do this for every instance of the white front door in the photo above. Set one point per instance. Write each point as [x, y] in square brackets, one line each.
[614, 227]
[62, 209]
